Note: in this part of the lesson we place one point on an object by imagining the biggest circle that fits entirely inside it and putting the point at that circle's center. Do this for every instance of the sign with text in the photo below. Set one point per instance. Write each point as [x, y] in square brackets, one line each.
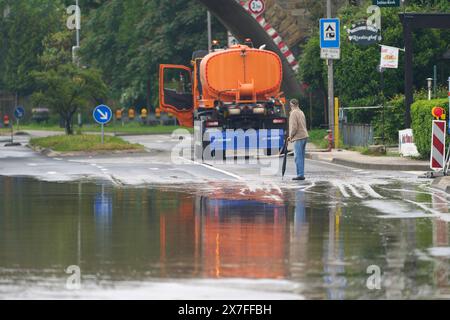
[406, 145]
[330, 53]
[363, 34]
[389, 57]
[386, 3]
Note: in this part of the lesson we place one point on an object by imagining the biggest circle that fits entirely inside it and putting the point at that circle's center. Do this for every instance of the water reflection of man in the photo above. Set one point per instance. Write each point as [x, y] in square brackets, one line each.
[300, 211]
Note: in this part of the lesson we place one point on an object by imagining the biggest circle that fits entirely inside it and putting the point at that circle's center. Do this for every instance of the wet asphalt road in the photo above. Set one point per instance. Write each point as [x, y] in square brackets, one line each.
[159, 167]
[324, 232]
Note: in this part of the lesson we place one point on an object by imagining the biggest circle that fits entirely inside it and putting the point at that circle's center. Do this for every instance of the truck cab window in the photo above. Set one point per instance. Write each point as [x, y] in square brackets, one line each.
[178, 88]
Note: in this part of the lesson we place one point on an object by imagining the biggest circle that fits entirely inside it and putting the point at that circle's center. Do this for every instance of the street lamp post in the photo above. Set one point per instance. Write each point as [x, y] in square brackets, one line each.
[430, 86]
[209, 31]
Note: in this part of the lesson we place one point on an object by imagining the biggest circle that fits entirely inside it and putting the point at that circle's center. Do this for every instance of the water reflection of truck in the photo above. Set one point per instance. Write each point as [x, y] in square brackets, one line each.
[243, 238]
[227, 235]
[234, 88]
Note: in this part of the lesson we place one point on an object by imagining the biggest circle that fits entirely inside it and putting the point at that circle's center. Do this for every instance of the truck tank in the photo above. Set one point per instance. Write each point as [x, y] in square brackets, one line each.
[241, 73]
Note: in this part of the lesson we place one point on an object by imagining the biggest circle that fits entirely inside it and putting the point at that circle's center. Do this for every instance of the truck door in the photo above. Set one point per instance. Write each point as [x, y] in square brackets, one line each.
[175, 92]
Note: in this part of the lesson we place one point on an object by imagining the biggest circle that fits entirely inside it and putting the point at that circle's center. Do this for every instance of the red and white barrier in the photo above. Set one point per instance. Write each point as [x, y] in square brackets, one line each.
[437, 161]
[277, 39]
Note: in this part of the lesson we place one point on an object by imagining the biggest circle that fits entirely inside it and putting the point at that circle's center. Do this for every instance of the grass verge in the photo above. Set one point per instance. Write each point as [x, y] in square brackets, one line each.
[316, 137]
[367, 152]
[86, 143]
[129, 128]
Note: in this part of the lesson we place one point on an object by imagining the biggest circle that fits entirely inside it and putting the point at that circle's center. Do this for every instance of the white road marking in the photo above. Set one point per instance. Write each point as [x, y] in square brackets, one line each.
[425, 208]
[441, 197]
[416, 173]
[371, 192]
[341, 188]
[355, 192]
[213, 168]
[312, 185]
[367, 188]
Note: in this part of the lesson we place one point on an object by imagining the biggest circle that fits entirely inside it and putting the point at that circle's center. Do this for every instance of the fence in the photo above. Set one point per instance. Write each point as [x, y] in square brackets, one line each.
[358, 134]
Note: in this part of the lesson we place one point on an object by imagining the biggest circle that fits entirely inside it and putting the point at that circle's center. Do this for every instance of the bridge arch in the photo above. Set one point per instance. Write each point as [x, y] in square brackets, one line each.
[242, 24]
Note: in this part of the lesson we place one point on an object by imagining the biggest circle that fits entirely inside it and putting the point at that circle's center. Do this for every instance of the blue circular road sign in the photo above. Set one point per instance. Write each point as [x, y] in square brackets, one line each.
[19, 112]
[102, 114]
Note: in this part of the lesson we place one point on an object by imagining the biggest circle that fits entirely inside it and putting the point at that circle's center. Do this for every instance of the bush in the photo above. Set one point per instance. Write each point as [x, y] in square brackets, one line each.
[394, 120]
[421, 123]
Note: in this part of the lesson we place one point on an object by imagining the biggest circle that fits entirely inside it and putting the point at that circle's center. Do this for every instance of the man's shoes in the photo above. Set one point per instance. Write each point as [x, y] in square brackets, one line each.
[299, 179]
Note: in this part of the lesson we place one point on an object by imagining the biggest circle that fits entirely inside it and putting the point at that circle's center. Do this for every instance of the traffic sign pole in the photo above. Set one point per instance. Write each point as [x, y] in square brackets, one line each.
[330, 83]
[11, 122]
[330, 45]
[102, 115]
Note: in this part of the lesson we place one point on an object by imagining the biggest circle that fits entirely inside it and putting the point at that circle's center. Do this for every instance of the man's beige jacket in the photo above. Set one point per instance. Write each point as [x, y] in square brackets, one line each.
[297, 125]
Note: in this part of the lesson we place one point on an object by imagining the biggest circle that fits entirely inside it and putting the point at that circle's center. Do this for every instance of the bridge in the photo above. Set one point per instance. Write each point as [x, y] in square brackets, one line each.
[282, 33]
[242, 24]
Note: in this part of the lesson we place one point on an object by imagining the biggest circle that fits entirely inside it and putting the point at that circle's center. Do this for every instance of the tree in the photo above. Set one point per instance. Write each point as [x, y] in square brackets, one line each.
[128, 40]
[23, 29]
[66, 89]
[357, 81]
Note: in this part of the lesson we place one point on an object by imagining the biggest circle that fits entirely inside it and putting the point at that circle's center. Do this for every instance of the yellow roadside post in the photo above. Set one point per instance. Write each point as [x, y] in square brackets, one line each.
[336, 123]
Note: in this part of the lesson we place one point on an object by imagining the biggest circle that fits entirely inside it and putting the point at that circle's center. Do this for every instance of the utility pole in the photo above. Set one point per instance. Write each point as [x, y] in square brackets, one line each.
[209, 32]
[78, 27]
[434, 80]
[330, 82]
[76, 52]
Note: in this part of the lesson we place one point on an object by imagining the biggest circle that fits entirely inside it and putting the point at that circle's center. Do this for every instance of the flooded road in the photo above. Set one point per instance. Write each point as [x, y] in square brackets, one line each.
[313, 241]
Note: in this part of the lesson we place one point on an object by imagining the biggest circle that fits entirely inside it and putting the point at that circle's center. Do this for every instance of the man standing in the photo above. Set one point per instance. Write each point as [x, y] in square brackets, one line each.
[298, 135]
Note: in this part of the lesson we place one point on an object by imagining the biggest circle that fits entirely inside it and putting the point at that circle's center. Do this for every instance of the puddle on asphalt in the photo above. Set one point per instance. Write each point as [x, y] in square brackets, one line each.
[223, 242]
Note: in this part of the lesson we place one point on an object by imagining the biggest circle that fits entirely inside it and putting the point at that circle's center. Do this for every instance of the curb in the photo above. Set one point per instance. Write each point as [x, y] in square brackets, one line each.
[442, 183]
[51, 153]
[379, 166]
[372, 166]
[138, 134]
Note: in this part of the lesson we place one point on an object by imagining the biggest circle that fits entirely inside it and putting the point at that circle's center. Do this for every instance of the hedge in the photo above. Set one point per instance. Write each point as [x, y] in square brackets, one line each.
[421, 123]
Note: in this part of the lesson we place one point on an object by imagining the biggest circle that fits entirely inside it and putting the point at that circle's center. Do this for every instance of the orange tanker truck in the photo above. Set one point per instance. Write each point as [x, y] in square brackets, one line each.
[237, 88]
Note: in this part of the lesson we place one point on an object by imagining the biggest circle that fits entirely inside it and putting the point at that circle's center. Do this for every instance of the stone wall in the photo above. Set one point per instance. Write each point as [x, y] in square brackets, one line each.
[295, 19]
